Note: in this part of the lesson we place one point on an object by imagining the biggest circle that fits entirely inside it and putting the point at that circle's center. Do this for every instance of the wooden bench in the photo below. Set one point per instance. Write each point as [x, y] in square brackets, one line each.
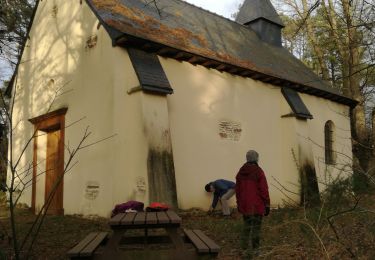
[87, 246]
[202, 243]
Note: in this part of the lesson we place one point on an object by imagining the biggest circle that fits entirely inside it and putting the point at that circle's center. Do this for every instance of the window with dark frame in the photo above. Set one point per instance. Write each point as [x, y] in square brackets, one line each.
[328, 144]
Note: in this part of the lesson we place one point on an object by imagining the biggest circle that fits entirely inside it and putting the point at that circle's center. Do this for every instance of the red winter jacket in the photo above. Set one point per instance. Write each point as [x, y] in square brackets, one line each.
[251, 190]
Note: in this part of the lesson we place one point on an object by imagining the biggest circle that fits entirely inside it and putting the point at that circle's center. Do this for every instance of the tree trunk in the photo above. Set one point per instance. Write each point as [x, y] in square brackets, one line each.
[360, 147]
[313, 43]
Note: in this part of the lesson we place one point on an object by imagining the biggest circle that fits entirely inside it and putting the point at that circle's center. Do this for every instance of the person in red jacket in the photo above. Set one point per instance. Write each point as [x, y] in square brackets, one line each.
[253, 200]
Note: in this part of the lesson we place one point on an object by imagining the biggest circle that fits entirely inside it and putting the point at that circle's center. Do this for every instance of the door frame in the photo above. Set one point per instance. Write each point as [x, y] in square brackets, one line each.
[51, 121]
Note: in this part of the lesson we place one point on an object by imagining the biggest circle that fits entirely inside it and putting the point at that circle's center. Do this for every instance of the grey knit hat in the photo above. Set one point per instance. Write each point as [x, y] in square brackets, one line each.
[252, 156]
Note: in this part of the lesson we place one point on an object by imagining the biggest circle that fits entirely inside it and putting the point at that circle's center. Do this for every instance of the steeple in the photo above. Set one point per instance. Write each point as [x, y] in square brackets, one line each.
[261, 17]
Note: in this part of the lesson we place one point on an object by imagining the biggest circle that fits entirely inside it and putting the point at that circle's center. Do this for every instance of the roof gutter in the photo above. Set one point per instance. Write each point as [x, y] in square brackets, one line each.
[126, 40]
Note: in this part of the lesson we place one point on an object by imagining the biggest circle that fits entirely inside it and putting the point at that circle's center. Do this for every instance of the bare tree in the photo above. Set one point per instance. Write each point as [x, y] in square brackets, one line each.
[339, 39]
[19, 177]
[15, 17]
[323, 225]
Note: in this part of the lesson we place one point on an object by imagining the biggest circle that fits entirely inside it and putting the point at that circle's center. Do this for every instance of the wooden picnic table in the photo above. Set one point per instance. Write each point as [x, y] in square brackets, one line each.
[145, 221]
[187, 244]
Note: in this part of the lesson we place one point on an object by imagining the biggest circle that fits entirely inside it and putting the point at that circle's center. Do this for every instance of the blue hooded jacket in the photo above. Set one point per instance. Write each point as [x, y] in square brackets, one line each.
[221, 187]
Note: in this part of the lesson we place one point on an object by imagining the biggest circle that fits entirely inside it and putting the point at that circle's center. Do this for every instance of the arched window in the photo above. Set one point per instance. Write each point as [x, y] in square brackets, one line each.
[330, 157]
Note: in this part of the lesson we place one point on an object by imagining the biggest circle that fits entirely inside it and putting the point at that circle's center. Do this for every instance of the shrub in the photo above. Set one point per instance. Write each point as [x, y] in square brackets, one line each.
[360, 182]
[338, 192]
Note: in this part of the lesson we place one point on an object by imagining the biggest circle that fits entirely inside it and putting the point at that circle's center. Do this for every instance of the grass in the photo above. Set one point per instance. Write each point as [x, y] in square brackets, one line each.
[289, 233]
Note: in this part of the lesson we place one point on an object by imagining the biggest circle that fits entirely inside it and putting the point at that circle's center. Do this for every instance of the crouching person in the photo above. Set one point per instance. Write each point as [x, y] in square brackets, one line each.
[223, 190]
[252, 200]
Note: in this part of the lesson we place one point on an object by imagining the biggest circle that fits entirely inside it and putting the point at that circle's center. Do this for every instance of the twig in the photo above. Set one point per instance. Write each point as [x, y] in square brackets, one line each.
[316, 235]
[334, 229]
[43, 211]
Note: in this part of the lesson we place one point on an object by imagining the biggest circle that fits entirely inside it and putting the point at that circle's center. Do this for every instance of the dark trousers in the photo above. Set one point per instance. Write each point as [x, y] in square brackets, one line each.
[251, 230]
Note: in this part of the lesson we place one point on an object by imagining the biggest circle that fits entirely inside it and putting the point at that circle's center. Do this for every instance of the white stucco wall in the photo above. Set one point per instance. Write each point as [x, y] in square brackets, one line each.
[204, 97]
[93, 83]
[323, 111]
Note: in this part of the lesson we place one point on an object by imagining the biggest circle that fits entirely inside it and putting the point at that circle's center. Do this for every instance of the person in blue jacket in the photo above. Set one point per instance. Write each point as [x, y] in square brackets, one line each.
[223, 190]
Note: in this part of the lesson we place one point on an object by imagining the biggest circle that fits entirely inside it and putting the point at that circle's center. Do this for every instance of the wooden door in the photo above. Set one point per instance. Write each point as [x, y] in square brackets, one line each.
[54, 174]
[53, 125]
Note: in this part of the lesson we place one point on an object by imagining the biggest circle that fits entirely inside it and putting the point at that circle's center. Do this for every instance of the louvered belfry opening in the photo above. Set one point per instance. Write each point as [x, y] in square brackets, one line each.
[328, 143]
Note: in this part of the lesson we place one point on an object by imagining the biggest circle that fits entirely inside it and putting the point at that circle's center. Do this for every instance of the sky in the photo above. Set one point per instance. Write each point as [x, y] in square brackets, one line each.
[5, 71]
[222, 7]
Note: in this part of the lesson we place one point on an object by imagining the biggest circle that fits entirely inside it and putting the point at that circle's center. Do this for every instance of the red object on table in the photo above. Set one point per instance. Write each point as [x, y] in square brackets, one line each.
[157, 206]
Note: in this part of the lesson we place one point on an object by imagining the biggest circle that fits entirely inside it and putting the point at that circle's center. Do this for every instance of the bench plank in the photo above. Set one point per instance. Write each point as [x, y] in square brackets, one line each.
[116, 219]
[151, 218]
[75, 251]
[128, 219]
[140, 218]
[162, 217]
[175, 219]
[90, 248]
[214, 248]
[198, 243]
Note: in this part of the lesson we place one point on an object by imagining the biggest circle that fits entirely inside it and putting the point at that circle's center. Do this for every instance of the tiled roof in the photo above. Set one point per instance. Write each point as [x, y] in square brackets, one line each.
[185, 27]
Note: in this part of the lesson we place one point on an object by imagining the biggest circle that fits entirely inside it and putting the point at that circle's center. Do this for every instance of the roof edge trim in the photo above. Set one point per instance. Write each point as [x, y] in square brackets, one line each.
[170, 52]
[264, 18]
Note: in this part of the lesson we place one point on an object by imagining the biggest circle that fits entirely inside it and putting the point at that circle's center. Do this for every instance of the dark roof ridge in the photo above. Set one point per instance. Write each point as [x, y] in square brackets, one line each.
[261, 17]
